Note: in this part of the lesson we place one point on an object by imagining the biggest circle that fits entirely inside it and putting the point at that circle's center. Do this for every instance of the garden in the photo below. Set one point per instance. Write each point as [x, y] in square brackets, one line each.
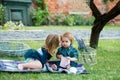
[107, 52]
[107, 67]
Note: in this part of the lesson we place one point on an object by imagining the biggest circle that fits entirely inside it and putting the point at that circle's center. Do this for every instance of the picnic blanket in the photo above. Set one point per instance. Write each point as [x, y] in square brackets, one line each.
[11, 66]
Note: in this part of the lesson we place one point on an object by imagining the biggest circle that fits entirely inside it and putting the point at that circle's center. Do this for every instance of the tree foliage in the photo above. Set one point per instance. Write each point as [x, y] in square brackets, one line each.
[41, 4]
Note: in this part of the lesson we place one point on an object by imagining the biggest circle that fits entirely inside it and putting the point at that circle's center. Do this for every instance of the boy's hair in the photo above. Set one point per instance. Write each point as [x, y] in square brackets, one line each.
[51, 43]
[69, 36]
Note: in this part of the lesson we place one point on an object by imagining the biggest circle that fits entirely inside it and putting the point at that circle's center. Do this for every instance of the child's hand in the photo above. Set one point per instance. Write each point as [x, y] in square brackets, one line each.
[68, 66]
[61, 56]
[72, 59]
[68, 58]
[54, 67]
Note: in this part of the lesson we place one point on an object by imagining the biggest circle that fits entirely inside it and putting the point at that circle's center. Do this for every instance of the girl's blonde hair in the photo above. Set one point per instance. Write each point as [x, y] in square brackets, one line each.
[69, 36]
[51, 43]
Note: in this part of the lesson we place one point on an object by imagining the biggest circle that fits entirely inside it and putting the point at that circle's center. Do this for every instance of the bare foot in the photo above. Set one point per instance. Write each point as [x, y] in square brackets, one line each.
[20, 66]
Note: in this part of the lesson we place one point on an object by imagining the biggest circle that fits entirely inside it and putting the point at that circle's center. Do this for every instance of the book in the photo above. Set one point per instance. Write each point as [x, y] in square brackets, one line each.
[64, 62]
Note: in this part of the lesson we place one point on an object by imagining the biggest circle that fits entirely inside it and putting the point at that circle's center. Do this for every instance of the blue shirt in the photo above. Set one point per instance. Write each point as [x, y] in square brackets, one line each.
[68, 52]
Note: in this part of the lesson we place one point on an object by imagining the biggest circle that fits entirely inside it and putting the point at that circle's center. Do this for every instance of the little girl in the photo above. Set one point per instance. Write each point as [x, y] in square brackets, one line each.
[36, 59]
[67, 50]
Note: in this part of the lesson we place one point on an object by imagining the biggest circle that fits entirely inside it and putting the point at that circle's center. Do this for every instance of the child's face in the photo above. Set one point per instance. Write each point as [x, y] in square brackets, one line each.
[65, 42]
[59, 41]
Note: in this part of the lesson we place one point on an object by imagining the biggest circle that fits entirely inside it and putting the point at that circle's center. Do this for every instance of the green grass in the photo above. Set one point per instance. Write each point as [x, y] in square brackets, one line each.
[107, 67]
[107, 27]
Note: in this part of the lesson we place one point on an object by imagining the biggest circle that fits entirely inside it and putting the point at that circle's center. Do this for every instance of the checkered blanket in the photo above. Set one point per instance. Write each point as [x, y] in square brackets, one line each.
[11, 66]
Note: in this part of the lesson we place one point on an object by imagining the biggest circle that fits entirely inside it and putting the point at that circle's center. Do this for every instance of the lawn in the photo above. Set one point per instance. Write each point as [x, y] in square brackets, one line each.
[107, 67]
[107, 27]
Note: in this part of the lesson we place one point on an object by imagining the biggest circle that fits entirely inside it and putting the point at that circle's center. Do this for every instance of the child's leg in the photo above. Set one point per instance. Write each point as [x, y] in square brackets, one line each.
[31, 65]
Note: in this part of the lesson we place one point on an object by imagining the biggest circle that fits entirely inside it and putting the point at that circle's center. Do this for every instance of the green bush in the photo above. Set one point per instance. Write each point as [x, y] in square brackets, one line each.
[69, 20]
[40, 3]
[48, 21]
[1, 13]
[89, 21]
[39, 16]
[59, 19]
[79, 20]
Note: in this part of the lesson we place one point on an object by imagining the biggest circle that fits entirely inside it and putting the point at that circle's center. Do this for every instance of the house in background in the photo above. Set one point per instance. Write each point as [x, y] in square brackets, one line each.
[17, 10]
[56, 7]
[68, 7]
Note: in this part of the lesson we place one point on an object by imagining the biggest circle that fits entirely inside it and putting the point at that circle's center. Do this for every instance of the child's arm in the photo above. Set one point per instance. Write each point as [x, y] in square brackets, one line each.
[72, 59]
[75, 55]
[59, 56]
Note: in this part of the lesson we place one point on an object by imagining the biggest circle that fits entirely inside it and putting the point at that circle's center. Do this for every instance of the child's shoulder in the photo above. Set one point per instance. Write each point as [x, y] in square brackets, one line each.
[72, 47]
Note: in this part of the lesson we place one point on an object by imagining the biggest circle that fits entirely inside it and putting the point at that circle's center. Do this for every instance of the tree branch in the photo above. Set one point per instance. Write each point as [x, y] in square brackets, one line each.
[113, 12]
[94, 9]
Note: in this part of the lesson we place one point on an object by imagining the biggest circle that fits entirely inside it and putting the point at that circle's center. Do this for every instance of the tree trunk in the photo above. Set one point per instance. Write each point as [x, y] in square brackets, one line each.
[100, 21]
[94, 38]
[95, 33]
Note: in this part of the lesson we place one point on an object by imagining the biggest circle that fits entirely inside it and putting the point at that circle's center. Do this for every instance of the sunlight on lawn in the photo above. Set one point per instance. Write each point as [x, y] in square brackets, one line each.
[107, 67]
